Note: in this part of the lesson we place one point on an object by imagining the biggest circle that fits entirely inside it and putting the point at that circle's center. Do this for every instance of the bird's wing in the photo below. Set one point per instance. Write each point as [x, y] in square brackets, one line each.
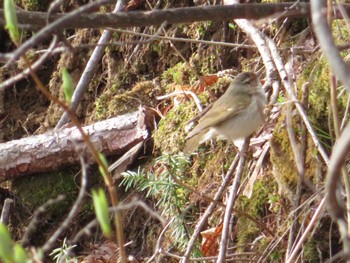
[211, 117]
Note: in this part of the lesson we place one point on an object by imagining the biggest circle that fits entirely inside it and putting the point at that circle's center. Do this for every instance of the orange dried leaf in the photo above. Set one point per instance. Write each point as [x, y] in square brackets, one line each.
[132, 5]
[209, 80]
[205, 81]
[210, 243]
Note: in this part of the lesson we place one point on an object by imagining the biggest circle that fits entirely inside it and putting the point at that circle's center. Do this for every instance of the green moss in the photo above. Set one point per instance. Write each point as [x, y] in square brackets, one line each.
[276, 256]
[340, 31]
[282, 159]
[171, 132]
[247, 231]
[317, 74]
[179, 74]
[110, 104]
[34, 191]
[170, 135]
[311, 253]
[34, 5]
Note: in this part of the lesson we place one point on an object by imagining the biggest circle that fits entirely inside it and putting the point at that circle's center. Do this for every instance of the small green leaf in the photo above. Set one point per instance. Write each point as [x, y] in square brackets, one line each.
[101, 210]
[102, 170]
[6, 247]
[11, 21]
[232, 26]
[20, 254]
[67, 85]
[280, 99]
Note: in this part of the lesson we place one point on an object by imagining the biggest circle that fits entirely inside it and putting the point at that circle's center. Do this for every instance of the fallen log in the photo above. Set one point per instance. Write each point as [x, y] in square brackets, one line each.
[53, 150]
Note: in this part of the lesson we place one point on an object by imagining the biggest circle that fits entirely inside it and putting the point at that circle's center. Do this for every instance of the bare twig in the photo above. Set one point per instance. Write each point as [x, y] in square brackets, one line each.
[86, 230]
[284, 77]
[50, 29]
[36, 65]
[312, 224]
[209, 210]
[89, 70]
[37, 216]
[65, 224]
[5, 213]
[35, 20]
[341, 148]
[157, 249]
[336, 126]
[325, 38]
[346, 114]
[260, 42]
[183, 92]
[186, 40]
[303, 148]
[339, 156]
[209, 199]
[300, 161]
[231, 200]
[248, 189]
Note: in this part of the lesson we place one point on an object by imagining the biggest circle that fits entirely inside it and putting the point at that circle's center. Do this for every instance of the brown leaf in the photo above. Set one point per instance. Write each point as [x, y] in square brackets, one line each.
[205, 81]
[132, 5]
[210, 243]
[102, 253]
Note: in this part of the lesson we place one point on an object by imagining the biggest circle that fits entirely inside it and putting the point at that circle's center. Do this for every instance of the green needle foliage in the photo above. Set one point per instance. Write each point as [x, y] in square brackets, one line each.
[171, 197]
[61, 254]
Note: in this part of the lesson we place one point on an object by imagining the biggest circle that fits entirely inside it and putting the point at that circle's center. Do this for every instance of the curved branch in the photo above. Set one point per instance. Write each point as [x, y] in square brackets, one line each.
[89, 71]
[325, 38]
[340, 152]
[337, 211]
[171, 15]
[50, 29]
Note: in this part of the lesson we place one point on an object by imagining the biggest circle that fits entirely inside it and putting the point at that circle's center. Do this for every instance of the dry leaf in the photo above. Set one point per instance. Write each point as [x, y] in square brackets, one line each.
[210, 243]
[205, 81]
[132, 5]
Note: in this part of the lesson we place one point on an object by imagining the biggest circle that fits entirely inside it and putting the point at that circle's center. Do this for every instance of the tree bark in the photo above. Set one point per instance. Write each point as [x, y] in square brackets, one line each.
[31, 20]
[50, 151]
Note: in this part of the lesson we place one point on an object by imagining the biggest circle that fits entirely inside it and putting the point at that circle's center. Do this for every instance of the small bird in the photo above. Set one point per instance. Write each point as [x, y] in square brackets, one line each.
[236, 114]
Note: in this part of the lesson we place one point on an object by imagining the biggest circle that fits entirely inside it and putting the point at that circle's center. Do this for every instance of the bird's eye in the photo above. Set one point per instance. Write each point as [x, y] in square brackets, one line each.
[246, 80]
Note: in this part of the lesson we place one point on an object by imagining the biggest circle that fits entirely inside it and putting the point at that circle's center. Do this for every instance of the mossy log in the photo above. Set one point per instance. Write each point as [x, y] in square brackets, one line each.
[52, 150]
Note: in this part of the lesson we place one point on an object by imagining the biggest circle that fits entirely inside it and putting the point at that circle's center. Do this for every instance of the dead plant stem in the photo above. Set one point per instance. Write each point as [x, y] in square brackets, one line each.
[336, 126]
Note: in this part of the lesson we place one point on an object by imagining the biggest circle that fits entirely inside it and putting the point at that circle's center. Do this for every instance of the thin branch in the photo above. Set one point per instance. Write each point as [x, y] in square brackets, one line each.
[37, 218]
[339, 156]
[183, 92]
[52, 28]
[171, 15]
[325, 39]
[231, 201]
[209, 210]
[89, 71]
[5, 213]
[284, 78]
[49, 243]
[261, 225]
[336, 126]
[35, 66]
[186, 40]
[87, 229]
[157, 249]
[259, 41]
[312, 224]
